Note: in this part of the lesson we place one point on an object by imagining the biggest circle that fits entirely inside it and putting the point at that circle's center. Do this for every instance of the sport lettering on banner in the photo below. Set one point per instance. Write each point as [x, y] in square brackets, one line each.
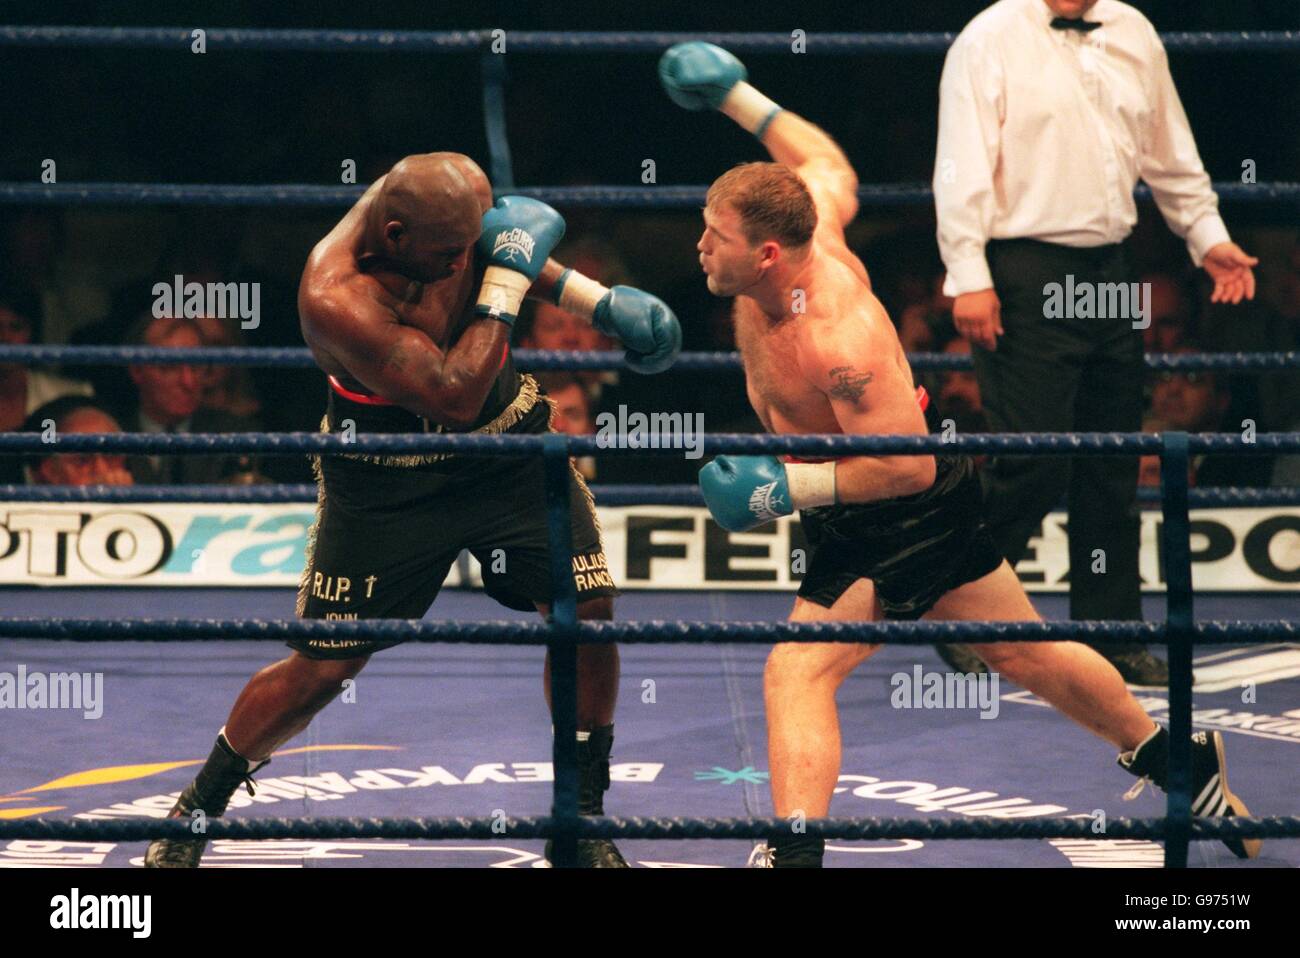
[647, 547]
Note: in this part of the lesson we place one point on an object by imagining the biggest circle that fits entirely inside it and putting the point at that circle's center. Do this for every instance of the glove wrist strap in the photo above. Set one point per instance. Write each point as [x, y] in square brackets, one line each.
[501, 294]
[749, 108]
[578, 294]
[811, 484]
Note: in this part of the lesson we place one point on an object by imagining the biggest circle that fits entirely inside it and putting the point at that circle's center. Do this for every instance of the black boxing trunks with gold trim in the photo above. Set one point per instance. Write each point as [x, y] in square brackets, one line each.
[386, 536]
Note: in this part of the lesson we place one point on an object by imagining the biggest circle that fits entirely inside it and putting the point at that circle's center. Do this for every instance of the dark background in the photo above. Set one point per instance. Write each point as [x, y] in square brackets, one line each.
[274, 117]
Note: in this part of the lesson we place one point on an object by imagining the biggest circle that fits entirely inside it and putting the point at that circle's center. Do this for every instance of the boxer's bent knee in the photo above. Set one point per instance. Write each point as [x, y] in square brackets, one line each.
[803, 663]
[324, 674]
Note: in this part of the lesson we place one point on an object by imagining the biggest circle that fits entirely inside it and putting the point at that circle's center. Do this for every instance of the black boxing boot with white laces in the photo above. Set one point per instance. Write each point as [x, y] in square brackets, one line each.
[593, 781]
[1211, 797]
[209, 793]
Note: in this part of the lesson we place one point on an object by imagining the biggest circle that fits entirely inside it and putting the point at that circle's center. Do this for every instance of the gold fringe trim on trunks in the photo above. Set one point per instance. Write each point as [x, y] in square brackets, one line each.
[300, 607]
[520, 406]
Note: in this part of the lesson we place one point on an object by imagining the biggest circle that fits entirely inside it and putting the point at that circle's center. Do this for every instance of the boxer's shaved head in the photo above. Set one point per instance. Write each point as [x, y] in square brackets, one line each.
[429, 211]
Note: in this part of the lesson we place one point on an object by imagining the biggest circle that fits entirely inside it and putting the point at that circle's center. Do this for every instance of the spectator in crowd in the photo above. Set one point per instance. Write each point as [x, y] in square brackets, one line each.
[959, 392]
[29, 244]
[1149, 465]
[1196, 401]
[168, 401]
[926, 323]
[1171, 319]
[227, 389]
[71, 415]
[23, 389]
[573, 415]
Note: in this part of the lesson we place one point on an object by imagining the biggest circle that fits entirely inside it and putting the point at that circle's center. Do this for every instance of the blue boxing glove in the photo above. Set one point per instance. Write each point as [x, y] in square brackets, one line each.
[518, 236]
[644, 324]
[698, 76]
[744, 492]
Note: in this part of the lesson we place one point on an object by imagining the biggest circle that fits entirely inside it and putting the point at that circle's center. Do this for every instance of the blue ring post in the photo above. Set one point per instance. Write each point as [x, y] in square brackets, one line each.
[563, 649]
[1179, 622]
[494, 118]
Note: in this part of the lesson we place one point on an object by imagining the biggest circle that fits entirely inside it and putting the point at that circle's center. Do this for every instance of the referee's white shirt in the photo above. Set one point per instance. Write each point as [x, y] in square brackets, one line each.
[1043, 134]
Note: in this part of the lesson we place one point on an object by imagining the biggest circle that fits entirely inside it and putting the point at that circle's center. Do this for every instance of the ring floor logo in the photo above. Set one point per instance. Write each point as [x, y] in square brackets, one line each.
[323, 786]
[353, 787]
[1239, 670]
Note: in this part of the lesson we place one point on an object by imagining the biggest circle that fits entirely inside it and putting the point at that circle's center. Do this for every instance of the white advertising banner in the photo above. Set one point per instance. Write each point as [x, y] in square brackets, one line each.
[648, 547]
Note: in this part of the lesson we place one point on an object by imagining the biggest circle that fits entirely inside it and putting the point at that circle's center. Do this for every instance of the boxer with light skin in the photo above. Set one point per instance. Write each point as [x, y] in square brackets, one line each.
[408, 305]
[897, 537]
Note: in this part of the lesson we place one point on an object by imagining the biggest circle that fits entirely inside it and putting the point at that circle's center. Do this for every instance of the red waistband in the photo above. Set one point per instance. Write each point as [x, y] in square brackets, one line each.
[370, 399]
[922, 400]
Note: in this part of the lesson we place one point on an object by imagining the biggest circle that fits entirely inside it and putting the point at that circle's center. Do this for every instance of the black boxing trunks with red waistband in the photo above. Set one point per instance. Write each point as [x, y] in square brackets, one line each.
[914, 548]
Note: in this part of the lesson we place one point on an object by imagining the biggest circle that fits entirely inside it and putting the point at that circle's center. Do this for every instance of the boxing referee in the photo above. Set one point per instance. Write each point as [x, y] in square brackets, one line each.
[1049, 113]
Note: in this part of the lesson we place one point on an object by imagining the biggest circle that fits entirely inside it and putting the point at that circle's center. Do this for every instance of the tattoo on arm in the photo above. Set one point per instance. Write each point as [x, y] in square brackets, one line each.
[849, 383]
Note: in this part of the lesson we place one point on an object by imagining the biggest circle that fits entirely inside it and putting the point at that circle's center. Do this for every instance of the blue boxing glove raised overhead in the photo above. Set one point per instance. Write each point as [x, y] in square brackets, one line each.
[743, 492]
[644, 324]
[518, 236]
[698, 76]
[701, 76]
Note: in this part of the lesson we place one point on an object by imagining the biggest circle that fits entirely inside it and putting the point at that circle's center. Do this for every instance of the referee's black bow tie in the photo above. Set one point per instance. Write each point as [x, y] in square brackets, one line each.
[1083, 26]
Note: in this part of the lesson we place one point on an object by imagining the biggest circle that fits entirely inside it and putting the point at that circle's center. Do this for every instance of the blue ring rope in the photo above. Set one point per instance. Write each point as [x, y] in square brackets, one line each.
[602, 197]
[641, 632]
[319, 829]
[478, 444]
[544, 41]
[1227, 497]
[299, 357]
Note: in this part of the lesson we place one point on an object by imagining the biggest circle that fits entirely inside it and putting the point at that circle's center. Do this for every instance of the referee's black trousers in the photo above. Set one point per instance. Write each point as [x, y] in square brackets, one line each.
[1058, 375]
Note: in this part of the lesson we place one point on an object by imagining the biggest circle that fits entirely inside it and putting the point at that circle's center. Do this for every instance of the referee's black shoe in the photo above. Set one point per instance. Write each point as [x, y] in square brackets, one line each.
[1136, 665]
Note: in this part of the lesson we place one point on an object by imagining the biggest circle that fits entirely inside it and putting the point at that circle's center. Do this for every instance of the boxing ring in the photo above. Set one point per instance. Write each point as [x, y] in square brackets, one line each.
[489, 705]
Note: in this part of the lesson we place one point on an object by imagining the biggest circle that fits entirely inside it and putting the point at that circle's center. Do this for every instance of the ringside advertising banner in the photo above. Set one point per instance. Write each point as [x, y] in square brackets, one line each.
[648, 547]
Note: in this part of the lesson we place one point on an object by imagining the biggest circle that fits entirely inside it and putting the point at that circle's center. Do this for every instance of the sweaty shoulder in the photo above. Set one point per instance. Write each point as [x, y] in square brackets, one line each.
[335, 298]
[856, 332]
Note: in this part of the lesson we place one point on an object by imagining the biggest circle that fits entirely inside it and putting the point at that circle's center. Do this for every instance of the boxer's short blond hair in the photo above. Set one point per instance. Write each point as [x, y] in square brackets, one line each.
[773, 202]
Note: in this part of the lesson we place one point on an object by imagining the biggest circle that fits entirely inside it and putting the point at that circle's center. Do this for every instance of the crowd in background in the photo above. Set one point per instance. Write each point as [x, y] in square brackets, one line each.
[85, 275]
[45, 297]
